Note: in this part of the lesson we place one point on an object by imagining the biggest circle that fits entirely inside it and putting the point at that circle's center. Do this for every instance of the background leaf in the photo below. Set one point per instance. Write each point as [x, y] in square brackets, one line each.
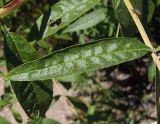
[35, 97]
[43, 121]
[80, 58]
[123, 16]
[151, 72]
[147, 9]
[157, 49]
[16, 115]
[4, 121]
[150, 10]
[60, 15]
[78, 103]
[89, 20]
[20, 47]
[72, 78]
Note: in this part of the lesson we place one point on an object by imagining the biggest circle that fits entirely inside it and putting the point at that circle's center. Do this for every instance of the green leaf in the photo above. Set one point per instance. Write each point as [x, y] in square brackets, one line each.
[43, 121]
[157, 49]
[158, 94]
[34, 97]
[91, 110]
[75, 78]
[4, 121]
[158, 2]
[151, 71]
[16, 115]
[20, 47]
[151, 9]
[79, 59]
[7, 99]
[124, 17]
[89, 20]
[1, 74]
[78, 103]
[63, 36]
[60, 15]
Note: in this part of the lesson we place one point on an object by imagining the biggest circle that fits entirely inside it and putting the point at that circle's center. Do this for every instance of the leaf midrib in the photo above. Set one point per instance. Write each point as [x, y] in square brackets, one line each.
[15, 45]
[23, 61]
[78, 58]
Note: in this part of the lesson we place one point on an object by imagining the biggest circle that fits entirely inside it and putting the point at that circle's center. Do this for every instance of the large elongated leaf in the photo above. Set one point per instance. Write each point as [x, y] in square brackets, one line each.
[35, 97]
[80, 58]
[87, 21]
[60, 15]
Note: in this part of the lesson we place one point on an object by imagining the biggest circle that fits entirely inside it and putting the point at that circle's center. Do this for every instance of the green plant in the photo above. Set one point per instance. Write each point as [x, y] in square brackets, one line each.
[31, 74]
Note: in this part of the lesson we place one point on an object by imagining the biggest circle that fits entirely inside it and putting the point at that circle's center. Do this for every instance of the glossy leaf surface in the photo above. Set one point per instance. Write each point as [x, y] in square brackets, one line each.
[87, 21]
[79, 59]
[35, 97]
[60, 15]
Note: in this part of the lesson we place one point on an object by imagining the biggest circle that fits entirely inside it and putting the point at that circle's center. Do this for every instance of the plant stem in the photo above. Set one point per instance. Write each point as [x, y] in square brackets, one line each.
[156, 60]
[142, 31]
[118, 30]
[148, 43]
[138, 24]
[7, 9]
